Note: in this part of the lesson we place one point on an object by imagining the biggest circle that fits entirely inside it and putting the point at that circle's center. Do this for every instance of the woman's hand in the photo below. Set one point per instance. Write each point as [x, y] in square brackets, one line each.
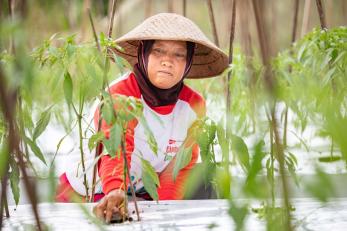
[113, 202]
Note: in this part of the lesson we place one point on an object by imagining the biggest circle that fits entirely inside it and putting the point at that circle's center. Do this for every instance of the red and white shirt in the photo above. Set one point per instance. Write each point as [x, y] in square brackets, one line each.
[169, 125]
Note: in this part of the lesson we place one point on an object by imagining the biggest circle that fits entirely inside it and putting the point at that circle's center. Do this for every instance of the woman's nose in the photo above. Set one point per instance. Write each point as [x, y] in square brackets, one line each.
[166, 63]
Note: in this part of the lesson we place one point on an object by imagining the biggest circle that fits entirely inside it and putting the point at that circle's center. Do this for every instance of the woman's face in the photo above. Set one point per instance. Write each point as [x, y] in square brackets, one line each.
[166, 63]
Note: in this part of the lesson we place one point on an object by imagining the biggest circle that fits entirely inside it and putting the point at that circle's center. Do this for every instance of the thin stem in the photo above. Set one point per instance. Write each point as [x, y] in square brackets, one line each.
[110, 25]
[128, 173]
[94, 31]
[3, 204]
[272, 160]
[85, 182]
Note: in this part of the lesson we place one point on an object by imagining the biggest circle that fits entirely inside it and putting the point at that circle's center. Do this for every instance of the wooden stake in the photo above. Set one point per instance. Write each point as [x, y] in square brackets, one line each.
[231, 50]
[306, 17]
[170, 7]
[321, 14]
[295, 23]
[185, 8]
[148, 8]
[213, 22]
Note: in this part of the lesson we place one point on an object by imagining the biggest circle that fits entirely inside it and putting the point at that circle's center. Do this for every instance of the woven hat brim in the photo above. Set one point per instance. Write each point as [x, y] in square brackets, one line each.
[208, 60]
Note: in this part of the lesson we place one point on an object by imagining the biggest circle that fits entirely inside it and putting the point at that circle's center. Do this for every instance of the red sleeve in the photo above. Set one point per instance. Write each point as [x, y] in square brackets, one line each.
[174, 190]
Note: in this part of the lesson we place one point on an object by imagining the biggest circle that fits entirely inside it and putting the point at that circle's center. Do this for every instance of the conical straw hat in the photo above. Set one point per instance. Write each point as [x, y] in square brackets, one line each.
[208, 60]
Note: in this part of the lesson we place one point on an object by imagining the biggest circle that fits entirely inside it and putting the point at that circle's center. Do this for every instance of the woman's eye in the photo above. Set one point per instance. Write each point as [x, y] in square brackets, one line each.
[180, 55]
[158, 51]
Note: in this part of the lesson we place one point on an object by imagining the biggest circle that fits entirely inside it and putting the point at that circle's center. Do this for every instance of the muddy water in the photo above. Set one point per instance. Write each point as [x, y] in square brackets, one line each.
[181, 215]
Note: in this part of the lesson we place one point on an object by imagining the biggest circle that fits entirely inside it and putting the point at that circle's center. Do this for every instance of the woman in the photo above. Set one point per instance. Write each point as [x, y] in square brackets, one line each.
[163, 50]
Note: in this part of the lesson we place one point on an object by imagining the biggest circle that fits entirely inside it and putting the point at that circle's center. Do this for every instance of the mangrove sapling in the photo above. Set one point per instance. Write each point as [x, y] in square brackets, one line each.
[68, 92]
[117, 128]
[270, 86]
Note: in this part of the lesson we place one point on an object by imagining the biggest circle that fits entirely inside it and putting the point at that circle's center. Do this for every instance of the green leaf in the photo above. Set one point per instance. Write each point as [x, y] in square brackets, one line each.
[150, 179]
[149, 135]
[183, 157]
[223, 142]
[112, 144]
[107, 113]
[320, 186]
[42, 123]
[4, 157]
[239, 148]
[14, 180]
[36, 150]
[95, 139]
[238, 214]
[329, 159]
[68, 87]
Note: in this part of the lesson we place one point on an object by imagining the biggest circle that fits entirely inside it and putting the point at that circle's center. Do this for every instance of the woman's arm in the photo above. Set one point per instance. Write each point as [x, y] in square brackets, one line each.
[111, 168]
[174, 190]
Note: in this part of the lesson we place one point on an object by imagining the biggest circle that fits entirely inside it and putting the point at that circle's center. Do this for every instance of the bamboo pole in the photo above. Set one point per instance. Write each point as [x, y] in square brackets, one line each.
[231, 51]
[274, 31]
[170, 6]
[344, 12]
[228, 91]
[10, 12]
[185, 8]
[295, 23]
[306, 17]
[269, 82]
[213, 22]
[321, 14]
[148, 8]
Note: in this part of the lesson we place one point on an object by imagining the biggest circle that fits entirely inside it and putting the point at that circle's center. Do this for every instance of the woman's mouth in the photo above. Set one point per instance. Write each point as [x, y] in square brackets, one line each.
[162, 72]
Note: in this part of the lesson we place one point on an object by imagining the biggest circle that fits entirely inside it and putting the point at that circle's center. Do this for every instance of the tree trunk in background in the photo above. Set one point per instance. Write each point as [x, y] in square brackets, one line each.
[306, 17]
[184, 5]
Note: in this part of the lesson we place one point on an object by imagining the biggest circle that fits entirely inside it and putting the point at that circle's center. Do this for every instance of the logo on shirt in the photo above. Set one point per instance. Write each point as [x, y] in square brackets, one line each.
[171, 149]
